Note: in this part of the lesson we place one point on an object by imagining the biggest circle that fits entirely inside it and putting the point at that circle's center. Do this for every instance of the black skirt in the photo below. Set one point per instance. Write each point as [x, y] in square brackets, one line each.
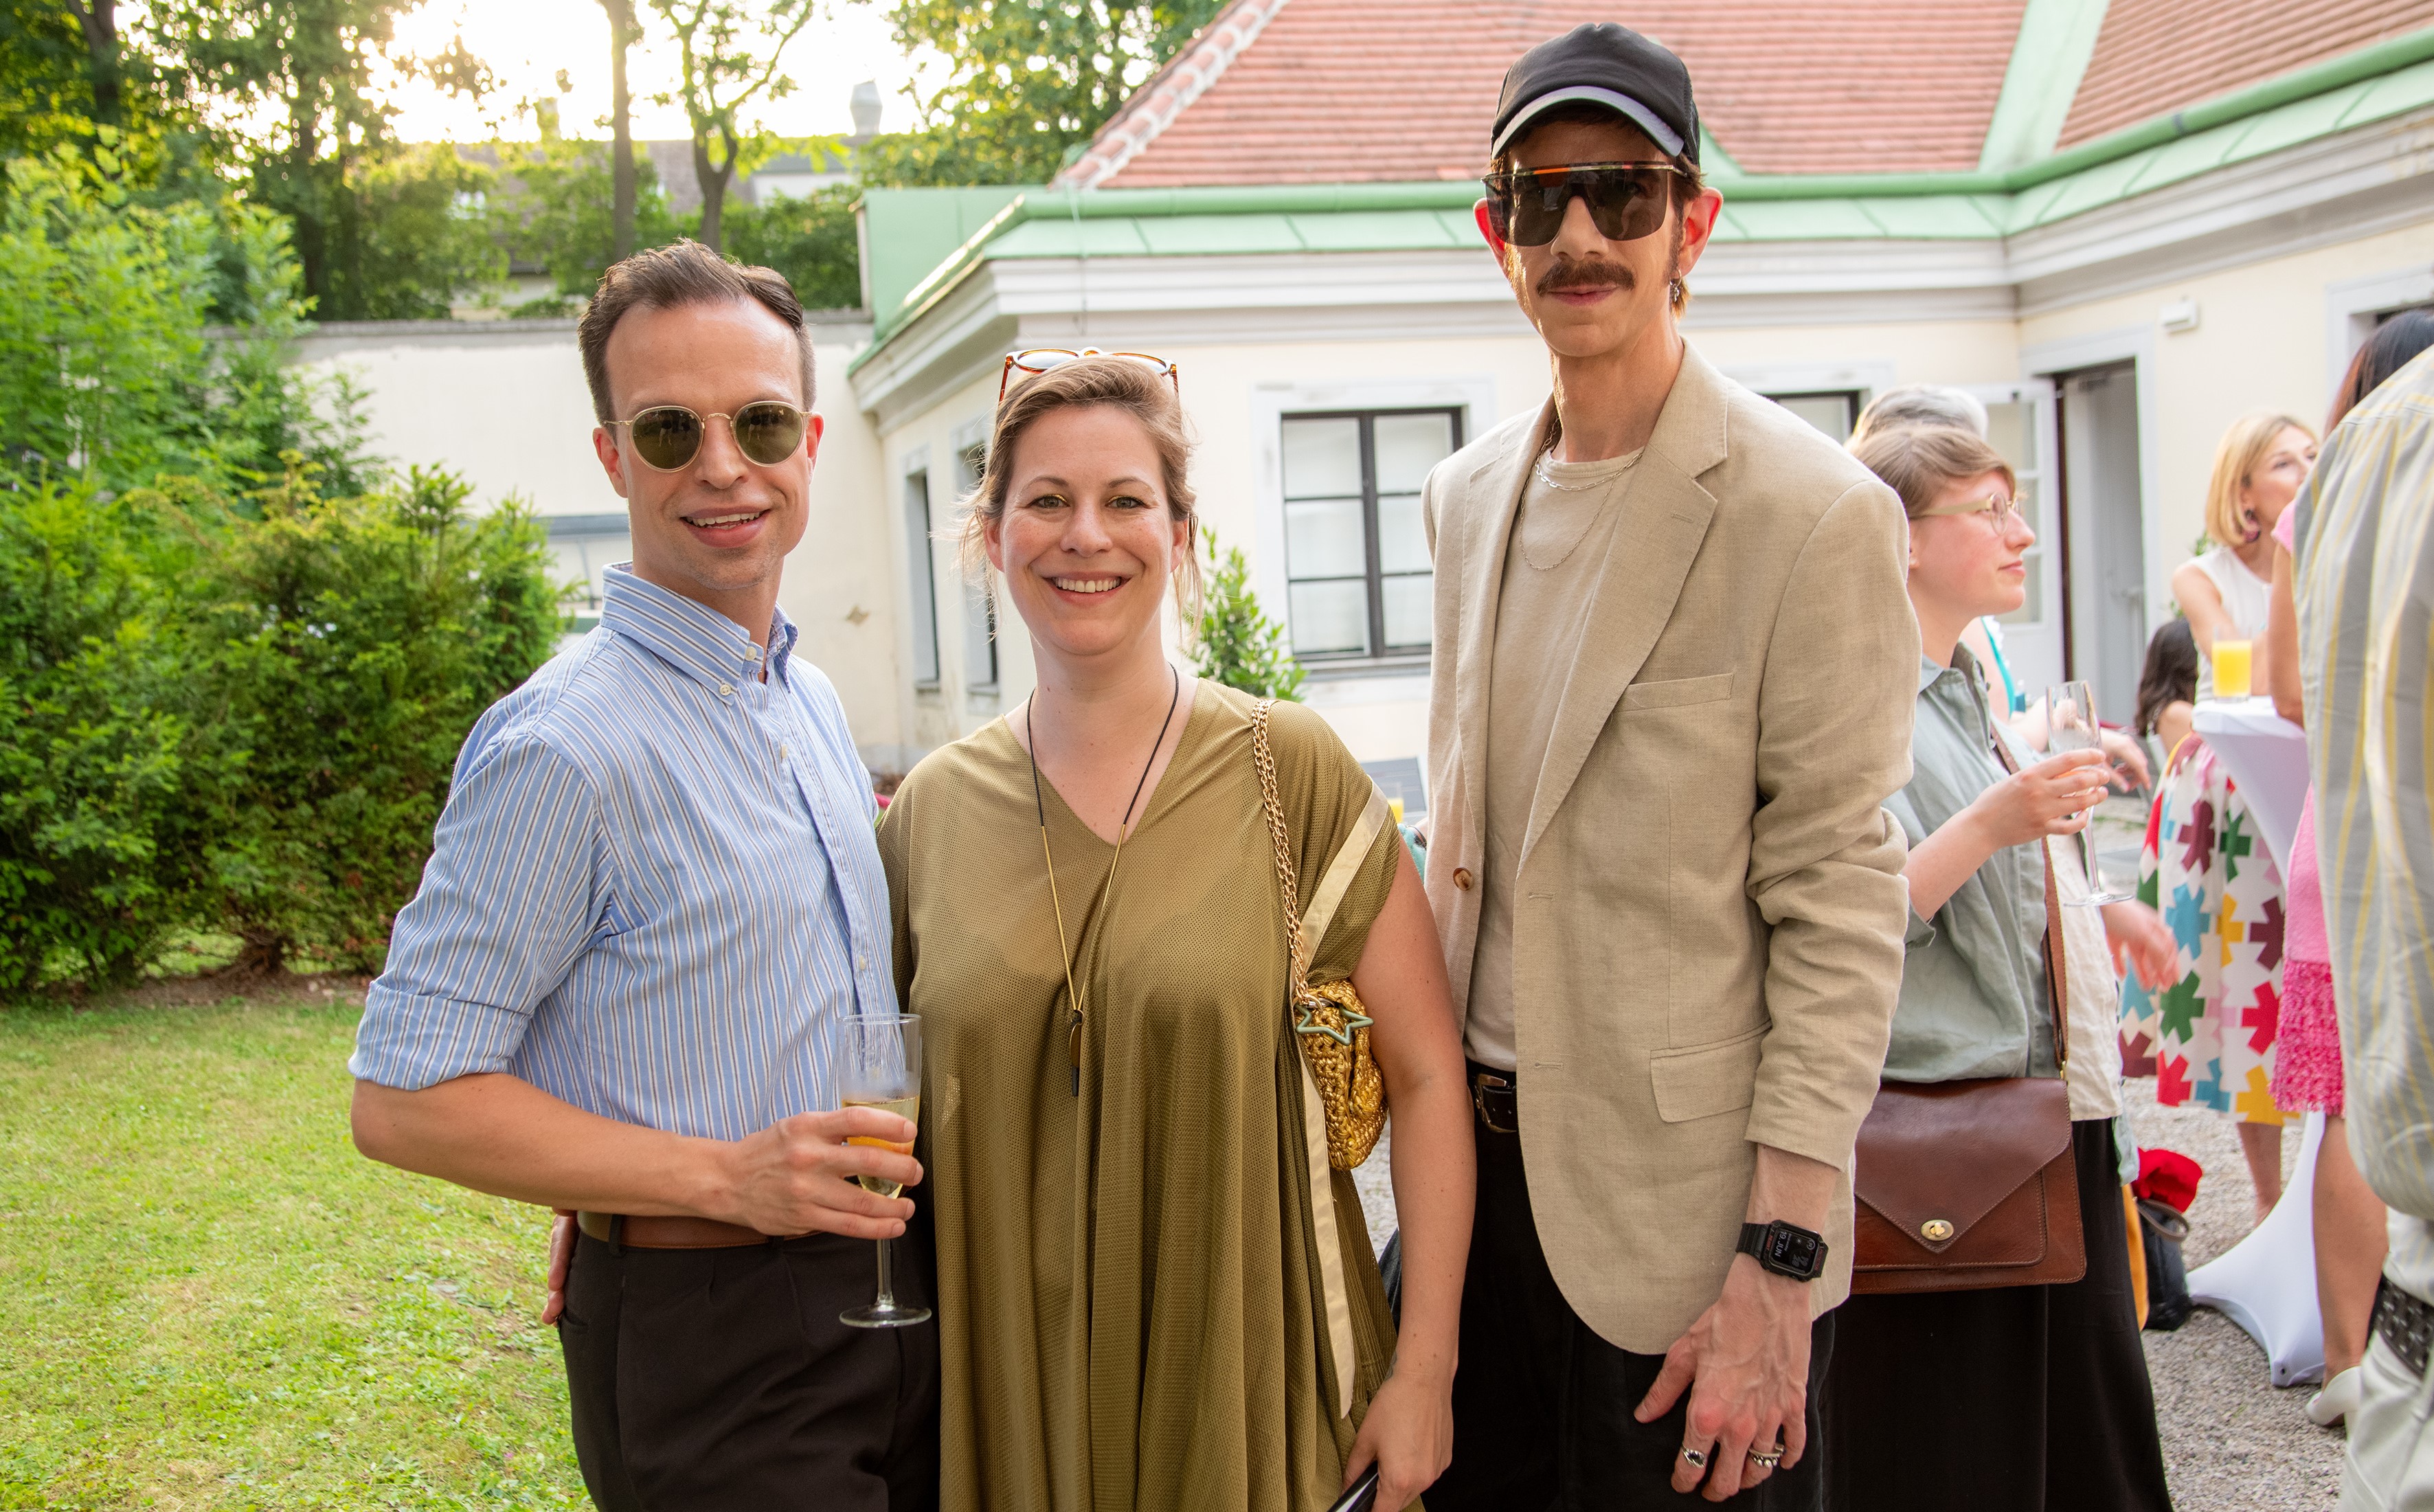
[2020, 1398]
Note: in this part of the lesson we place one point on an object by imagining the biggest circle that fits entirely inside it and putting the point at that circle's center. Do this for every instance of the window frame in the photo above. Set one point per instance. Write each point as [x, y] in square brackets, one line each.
[1377, 652]
[922, 577]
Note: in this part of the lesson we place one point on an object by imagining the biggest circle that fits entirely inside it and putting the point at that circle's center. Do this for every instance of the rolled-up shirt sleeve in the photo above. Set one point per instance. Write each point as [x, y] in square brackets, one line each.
[517, 883]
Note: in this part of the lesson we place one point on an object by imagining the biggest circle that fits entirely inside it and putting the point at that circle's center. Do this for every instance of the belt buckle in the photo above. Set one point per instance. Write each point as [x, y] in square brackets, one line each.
[2404, 1324]
[1483, 1083]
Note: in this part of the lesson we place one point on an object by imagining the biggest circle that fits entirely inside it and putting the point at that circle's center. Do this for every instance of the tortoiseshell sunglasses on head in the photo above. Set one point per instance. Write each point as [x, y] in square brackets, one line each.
[1035, 360]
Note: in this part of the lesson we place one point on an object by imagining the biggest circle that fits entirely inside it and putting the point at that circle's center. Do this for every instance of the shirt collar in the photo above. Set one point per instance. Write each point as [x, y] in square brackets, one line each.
[1962, 662]
[694, 638]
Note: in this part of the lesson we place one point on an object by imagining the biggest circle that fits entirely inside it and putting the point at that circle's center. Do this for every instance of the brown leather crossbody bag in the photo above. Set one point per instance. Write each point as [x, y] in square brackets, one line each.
[1966, 1185]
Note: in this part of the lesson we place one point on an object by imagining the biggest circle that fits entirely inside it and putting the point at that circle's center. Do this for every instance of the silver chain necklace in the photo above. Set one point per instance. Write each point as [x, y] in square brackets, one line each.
[1548, 479]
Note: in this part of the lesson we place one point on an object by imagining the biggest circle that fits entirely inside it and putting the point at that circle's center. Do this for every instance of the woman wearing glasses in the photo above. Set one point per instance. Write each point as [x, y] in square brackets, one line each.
[2019, 1397]
[1146, 1299]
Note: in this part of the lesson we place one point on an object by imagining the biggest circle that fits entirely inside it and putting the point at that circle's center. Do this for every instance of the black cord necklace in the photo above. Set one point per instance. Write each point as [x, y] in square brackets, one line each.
[1123, 831]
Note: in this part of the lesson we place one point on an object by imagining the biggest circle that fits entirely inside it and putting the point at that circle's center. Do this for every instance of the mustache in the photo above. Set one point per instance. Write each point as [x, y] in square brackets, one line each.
[1585, 272]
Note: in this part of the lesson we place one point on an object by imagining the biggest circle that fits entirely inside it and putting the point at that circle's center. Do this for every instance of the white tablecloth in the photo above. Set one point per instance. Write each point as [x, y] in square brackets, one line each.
[2268, 757]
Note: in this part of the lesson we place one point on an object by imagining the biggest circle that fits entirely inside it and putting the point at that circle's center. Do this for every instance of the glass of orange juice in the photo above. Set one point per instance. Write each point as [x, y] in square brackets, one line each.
[2231, 661]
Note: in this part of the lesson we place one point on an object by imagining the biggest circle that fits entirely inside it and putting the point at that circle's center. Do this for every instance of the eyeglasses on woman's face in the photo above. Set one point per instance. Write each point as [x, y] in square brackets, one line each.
[668, 436]
[1997, 509]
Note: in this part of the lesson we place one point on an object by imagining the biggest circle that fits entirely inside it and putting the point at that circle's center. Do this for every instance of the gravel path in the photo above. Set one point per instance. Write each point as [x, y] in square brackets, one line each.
[2231, 1440]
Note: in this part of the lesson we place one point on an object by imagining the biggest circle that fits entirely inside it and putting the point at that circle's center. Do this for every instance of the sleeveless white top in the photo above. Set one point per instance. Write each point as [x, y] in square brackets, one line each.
[2246, 598]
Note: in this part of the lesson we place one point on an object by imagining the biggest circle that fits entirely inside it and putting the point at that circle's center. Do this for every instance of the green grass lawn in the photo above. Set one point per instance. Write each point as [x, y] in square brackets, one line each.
[209, 1299]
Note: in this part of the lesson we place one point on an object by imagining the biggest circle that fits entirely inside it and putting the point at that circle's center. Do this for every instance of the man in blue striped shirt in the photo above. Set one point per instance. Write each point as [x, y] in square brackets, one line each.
[654, 895]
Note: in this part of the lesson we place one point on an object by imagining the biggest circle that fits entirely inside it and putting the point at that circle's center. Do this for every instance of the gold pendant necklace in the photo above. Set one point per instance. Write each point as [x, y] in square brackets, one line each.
[1123, 831]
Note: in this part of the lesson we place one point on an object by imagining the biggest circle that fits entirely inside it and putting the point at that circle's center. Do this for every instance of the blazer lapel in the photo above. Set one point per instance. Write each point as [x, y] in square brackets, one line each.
[1496, 484]
[1665, 519]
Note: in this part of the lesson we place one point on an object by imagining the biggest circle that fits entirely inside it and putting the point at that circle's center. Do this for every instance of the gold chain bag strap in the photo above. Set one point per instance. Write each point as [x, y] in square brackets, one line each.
[1328, 1023]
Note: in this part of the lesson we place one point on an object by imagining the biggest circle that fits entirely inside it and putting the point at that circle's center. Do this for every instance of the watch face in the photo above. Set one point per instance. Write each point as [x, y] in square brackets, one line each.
[1792, 1251]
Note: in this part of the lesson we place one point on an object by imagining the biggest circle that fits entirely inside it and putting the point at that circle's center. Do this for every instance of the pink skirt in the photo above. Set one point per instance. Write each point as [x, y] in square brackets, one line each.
[2307, 1067]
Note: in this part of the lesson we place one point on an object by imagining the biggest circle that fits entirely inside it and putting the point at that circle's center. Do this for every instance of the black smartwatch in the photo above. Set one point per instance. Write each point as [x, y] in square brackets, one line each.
[1784, 1249]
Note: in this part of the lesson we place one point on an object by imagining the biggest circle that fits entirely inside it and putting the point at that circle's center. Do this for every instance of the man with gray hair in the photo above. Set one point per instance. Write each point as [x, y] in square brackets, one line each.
[1920, 405]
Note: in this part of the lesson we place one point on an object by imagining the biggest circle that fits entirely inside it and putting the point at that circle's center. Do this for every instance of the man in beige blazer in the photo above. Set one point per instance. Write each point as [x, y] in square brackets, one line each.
[1676, 667]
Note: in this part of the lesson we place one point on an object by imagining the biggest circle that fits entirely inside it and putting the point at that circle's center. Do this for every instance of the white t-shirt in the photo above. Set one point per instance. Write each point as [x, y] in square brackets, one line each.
[2246, 598]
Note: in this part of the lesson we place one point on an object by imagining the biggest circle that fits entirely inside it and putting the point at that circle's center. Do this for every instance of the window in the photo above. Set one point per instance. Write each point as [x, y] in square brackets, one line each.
[586, 545]
[979, 615]
[1357, 579]
[1834, 411]
[924, 584]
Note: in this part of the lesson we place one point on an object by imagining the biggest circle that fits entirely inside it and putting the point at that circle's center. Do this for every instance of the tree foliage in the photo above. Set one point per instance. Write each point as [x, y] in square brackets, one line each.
[239, 714]
[1239, 646]
[352, 643]
[105, 369]
[728, 53]
[380, 230]
[811, 240]
[1031, 80]
[103, 822]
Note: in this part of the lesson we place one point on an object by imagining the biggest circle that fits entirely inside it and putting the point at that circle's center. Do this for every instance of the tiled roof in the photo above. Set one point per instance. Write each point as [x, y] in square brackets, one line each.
[2154, 56]
[1330, 91]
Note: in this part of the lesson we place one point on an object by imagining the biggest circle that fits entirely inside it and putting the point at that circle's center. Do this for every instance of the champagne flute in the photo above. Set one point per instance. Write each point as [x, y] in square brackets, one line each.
[879, 1065]
[2070, 708]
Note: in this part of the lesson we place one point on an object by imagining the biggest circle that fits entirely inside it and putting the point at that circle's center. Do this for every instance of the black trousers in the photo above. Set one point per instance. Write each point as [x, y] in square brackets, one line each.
[2017, 1398]
[1542, 1406]
[721, 1378]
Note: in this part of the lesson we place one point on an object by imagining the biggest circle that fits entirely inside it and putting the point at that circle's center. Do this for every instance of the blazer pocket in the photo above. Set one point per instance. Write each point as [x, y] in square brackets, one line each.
[1705, 1080]
[1677, 693]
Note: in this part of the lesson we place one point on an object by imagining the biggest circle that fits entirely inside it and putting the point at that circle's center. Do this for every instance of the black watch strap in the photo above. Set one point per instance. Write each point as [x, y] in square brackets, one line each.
[1785, 1248]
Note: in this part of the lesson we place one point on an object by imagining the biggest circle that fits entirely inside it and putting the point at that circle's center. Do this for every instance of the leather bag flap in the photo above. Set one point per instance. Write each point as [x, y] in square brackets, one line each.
[1935, 1158]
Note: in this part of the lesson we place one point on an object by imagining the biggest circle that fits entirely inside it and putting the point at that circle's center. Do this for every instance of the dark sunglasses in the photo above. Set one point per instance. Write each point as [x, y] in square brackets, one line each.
[1627, 200]
[1037, 360]
[669, 436]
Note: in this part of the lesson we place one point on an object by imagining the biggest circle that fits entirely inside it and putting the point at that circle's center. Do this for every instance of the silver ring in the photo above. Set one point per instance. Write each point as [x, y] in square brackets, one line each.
[1768, 1460]
[1695, 1458]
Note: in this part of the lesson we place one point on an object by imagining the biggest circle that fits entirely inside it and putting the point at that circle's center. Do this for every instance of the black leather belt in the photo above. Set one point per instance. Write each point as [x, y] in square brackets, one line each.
[2404, 1324]
[1495, 1099]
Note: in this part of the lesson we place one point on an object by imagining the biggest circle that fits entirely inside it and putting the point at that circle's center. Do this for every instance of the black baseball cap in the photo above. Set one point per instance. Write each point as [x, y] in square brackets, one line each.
[1599, 62]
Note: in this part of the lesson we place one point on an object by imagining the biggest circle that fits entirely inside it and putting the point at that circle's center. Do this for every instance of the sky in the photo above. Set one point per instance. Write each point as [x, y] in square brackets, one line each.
[528, 43]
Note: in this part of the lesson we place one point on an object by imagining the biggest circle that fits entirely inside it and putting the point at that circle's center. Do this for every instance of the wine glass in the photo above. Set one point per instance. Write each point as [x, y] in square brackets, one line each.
[879, 1065]
[2071, 725]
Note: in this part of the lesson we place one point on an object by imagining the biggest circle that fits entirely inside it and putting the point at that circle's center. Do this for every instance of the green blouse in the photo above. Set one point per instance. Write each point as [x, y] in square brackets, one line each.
[1972, 991]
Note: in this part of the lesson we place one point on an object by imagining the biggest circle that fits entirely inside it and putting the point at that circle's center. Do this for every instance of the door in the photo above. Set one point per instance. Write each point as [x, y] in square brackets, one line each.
[2104, 534]
[2020, 423]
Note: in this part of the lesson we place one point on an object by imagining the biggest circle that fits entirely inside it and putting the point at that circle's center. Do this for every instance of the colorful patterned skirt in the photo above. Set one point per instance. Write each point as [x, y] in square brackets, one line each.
[2209, 1038]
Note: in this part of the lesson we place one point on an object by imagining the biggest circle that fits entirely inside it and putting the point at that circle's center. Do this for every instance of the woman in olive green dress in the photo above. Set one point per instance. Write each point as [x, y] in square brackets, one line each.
[1145, 1298]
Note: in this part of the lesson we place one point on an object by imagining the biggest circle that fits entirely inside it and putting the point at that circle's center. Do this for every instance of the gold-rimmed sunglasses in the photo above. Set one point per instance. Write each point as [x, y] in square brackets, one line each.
[1035, 360]
[668, 436]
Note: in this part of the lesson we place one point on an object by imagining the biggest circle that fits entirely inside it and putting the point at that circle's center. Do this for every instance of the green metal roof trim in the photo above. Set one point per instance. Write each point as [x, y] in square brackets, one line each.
[2372, 84]
[919, 229]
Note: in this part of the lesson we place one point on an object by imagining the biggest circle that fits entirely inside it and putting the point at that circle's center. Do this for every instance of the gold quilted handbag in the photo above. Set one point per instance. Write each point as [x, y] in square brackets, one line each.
[1327, 1022]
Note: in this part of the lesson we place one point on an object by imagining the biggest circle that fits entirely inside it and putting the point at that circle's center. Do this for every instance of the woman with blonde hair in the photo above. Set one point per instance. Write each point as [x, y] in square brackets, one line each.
[2258, 467]
[2211, 1039]
[1151, 1290]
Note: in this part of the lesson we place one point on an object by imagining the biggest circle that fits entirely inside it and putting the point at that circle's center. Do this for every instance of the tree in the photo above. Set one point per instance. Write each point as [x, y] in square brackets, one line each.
[380, 232]
[106, 371]
[349, 644]
[553, 206]
[811, 240]
[1239, 646]
[1031, 80]
[728, 52]
[623, 34]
